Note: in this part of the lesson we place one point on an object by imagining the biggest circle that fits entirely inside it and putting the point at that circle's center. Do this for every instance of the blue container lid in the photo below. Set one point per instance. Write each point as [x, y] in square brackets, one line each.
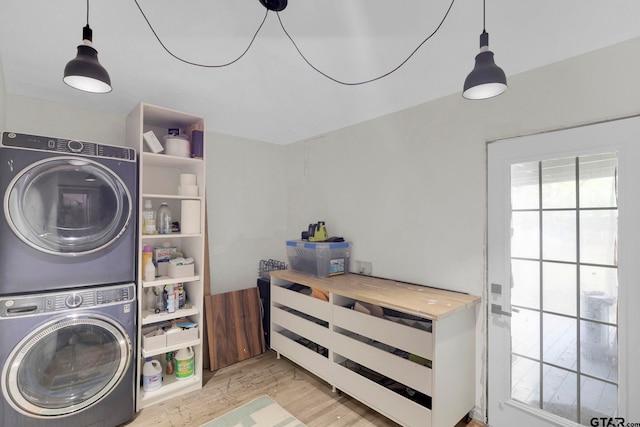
[318, 245]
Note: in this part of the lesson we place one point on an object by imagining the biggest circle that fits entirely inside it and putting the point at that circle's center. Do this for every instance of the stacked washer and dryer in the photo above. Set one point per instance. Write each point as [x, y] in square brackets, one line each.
[67, 272]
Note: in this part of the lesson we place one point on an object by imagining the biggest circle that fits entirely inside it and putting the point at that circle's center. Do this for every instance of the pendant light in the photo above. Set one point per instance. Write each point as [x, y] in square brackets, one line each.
[84, 72]
[487, 79]
[274, 5]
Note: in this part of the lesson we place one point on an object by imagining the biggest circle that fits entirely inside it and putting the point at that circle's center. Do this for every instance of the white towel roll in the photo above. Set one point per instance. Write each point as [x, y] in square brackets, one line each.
[187, 179]
[190, 217]
[188, 190]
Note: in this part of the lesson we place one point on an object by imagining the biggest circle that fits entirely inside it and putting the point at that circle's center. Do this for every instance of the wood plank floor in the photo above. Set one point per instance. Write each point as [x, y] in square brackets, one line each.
[305, 396]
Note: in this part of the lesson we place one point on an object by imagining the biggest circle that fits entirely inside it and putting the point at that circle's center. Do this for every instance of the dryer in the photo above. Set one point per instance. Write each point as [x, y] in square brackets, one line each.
[68, 358]
[68, 217]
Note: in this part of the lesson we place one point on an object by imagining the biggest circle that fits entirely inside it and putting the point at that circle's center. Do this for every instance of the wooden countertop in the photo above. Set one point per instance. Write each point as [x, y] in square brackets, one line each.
[422, 301]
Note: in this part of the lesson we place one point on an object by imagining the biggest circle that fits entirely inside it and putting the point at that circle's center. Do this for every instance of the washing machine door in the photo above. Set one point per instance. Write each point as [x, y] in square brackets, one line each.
[66, 366]
[68, 206]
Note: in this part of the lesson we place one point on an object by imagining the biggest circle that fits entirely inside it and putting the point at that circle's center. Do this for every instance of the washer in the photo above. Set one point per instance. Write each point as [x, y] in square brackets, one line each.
[68, 358]
[68, 217]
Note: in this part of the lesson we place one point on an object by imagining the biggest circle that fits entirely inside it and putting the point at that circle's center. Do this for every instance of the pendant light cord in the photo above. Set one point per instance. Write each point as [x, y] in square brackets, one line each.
[195, 63]
[375, 78]
[87, 13]
[295, 45]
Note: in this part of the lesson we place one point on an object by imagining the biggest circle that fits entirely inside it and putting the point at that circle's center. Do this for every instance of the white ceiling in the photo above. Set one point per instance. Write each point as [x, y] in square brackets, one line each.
[271, 94]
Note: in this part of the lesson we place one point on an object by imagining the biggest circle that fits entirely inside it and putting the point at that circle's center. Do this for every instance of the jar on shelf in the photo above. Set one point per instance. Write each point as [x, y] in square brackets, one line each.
[164, 219]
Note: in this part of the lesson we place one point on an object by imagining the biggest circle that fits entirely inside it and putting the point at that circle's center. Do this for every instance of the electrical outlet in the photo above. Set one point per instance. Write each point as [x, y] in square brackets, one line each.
[363, 267]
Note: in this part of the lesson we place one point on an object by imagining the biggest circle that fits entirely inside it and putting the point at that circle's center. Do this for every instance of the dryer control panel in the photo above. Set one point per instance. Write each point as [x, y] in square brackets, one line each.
[26, 305]
[68, 146]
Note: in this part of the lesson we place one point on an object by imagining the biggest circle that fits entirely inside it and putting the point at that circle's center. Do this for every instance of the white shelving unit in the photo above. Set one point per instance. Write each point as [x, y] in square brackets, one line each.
[159, 178]
[415, 364]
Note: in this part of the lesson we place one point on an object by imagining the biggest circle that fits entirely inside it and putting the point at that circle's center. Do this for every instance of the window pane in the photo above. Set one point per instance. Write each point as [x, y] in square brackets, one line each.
[524, 186]
[559, 341]
[525, 380]
[598, 181]
[559, 236]
[559, 183]
[525, 235]
[598, 237]
[599, 350]
[599, 293]
[525, 289]
[598, 399]
[525, 333]
[560, 287]
[560, 389]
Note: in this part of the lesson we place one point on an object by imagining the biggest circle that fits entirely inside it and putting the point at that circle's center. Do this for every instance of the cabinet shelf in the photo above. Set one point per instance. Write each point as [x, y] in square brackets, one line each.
[167, 236]
[171, 387]
[155, 352]
[153, 159]
[159, 179]
[149, 317]
[166, 280]
[170, 196]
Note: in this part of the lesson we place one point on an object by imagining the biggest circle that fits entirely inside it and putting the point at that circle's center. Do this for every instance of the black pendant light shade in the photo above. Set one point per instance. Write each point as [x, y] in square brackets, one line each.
[275, 5]
[84, 72]
[487, 79]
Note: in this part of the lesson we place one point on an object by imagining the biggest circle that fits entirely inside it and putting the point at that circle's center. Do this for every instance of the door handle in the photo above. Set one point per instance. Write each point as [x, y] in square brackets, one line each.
[497, 309]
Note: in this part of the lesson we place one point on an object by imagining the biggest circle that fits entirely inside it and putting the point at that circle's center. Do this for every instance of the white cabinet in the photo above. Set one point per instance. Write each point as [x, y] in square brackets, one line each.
[159, 179]
[412, 358]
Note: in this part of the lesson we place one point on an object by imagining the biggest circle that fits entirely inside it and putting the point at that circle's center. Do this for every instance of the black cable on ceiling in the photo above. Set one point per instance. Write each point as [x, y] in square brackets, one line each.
[315, 68]
[195, 63]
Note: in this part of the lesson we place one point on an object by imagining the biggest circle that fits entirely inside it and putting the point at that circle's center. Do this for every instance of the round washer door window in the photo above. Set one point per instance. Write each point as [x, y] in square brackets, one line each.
[66, 366]
[67, 206]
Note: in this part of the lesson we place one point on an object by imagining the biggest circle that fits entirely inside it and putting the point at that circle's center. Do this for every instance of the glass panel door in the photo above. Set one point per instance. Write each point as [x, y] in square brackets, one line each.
[564, 277]
[564, 356]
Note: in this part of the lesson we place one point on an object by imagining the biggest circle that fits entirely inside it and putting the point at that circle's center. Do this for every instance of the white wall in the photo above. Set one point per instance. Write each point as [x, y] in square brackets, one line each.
[247, 208]
[409, 189]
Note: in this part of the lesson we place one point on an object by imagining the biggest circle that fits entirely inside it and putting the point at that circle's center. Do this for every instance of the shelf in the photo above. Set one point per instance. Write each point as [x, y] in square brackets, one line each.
[163, 350]
[167, 236]
[170, 196]
[153, 159]
[166, 280]
[171, 387]
[149, 317]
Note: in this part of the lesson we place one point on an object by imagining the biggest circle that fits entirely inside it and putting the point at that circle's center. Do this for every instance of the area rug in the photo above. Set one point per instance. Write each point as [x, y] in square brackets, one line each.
[260, 412]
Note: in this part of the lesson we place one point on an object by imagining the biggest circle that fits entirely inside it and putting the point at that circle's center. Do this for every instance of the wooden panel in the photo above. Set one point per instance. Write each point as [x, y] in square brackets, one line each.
[234, 327]
[206, 283]
[421, 301]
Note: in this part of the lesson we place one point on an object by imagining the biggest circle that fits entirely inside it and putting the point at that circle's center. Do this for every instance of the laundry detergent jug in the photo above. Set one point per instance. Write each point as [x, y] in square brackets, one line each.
[151, 375]
[184, 363]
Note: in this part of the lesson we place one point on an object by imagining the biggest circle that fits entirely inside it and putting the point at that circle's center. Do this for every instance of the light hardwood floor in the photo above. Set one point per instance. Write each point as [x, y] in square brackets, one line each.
[305, 396]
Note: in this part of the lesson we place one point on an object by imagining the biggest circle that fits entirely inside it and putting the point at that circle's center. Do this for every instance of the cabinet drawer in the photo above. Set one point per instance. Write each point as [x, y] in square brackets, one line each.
[381, 399]
[301, 355]
[399, 369]
[305, 328]
[407, 338]
[304, 303]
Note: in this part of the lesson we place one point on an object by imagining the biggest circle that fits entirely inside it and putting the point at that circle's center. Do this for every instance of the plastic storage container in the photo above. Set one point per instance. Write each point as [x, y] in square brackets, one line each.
[322, 259]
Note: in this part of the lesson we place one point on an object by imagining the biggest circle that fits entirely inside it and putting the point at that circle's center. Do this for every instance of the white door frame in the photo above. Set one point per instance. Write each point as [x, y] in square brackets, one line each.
[622, 136]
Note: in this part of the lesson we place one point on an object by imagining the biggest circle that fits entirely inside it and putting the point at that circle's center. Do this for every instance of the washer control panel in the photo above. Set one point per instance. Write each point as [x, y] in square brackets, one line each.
[72, 146]
[25, 305]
